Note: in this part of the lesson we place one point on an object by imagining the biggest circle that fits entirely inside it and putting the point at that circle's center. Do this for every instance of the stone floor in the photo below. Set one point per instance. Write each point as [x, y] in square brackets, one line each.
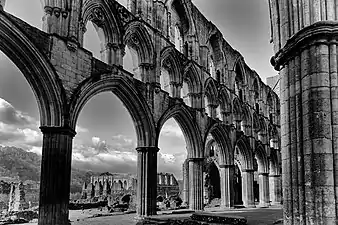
[255, 216]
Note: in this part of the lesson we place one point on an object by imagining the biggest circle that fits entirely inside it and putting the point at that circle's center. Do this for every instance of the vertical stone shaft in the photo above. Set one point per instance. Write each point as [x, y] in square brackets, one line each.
[247, 188]
[227, 185]
[186, 182]
[264, 194]
[55, 175]
[275, 183]
[146, 181]
[196, 183]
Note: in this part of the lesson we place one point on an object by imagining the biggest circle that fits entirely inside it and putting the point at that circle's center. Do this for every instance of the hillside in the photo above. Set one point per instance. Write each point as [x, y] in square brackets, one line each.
[19, 164]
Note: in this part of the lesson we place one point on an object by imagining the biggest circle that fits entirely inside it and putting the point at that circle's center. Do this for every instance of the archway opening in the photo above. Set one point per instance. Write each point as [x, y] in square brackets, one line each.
[20, 137]
[104, 159]
[238, 185]
[212, 183]
[256, 186]
[171, 159]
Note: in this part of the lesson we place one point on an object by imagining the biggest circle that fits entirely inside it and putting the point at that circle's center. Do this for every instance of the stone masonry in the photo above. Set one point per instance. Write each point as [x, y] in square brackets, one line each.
[184, 69]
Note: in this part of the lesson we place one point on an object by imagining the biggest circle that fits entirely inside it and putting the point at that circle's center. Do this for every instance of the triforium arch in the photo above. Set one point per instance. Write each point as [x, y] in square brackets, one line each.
[69, 75]
[107, 26]
[138, 38]
[171, 77]
[192, 86]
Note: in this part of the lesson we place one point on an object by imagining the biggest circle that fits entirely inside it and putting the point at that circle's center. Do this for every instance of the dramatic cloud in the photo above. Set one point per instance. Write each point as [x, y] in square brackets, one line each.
[9, 115]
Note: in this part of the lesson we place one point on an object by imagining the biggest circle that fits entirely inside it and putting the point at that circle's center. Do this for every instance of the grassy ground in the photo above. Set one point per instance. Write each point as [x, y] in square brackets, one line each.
[256, 216]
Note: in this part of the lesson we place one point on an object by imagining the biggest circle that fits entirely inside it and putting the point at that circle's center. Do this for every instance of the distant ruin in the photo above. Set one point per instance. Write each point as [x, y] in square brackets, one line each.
[118, 185]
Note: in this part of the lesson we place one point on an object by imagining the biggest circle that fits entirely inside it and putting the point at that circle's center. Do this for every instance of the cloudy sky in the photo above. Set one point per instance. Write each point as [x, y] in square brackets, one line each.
[106, 137]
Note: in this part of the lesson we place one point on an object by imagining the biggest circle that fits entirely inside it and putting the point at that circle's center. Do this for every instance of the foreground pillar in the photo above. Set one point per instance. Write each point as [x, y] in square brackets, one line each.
[196, 184]
[264, 195]
[305, 41]
[146, 181]
[275, 182]
[186, 182]
[227, 185]
[247, 188]
[55, 175]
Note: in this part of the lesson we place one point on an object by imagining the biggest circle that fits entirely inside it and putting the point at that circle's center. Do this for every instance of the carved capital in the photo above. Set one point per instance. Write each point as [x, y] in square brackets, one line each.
[48, 10]
[147, 149]
[147, 66]
[58, 130]
[320, 32]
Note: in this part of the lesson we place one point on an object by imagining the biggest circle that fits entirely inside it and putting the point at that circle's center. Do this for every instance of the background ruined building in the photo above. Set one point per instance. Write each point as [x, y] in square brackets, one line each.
[117, 185]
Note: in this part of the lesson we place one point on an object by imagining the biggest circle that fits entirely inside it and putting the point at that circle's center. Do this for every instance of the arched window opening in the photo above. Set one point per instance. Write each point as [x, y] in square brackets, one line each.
[212, 67]
[165, 80]
[185, 93]
[131, 62]
[178, 39]
[94, 40]
[239, 82]
[207, 105]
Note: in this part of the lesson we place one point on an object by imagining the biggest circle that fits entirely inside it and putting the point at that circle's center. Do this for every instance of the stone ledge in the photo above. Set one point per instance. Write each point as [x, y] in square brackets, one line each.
[219, 218]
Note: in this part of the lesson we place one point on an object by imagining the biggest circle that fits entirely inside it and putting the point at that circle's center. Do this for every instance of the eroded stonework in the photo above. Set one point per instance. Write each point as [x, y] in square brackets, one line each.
[183, 69]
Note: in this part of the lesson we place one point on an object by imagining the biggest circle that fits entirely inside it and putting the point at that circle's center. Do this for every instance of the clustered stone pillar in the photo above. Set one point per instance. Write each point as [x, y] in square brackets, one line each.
[55, 175]
[264, 195]
[146, 181]
[186, 182]
[227, 173]
[275, 189]
[305, 43]
[196, 183]
[247, 188]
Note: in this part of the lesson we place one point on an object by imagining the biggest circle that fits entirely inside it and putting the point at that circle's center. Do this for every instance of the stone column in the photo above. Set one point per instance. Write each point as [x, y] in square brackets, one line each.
[186, 182]
[264, 194]
[247, 188]
[146, 181]
[196, 184]
[275, 189]
[227, 173]
[305, 43]
[55, 175]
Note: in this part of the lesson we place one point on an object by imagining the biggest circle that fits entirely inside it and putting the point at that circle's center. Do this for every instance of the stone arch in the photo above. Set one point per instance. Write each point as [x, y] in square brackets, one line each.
[171, 63]
[124, 89]
[191, 85]
[237, 109]
[221, 136]
[242, 148]
[210, 97]
[138, 37]
[215, 42]
[256, 93]
[262, 159]
[256, 122]
[246, 120]
[225, 106]
[37, 70]
[191, 131]
[240, 79]
[209, 150]
[105, 23]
